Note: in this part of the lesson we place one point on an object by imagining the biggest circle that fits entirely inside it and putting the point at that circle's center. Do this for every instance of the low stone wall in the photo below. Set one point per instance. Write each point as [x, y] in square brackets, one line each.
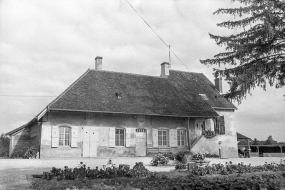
[228, 147]
[254, 154]
[273, 154]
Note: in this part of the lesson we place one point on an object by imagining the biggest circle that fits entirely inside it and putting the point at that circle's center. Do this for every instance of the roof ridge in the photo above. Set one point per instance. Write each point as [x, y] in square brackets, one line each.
[184, 71]
[127, 73]
[65, 91]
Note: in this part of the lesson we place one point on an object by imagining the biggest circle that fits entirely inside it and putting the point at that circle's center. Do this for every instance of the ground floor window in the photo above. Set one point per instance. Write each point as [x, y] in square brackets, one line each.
[120, 137]
[181, 137]
[64, 136]
[162, 138]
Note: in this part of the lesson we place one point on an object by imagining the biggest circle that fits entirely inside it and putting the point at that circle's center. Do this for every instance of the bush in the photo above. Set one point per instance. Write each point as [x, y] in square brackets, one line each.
[159, 160]
[198, 156]
[109, 171]
[4, 145]
[169, 155]
[31, 152]
[180, 165]
[181, 156]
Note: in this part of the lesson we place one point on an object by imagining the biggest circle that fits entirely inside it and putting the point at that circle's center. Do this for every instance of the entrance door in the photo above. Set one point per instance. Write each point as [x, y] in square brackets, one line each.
[94, 141]
[90, 141]
[140, 142]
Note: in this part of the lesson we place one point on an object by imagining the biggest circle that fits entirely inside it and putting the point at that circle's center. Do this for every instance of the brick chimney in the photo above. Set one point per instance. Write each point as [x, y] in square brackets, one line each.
[218, 84]
[164, 69]
[98, 63]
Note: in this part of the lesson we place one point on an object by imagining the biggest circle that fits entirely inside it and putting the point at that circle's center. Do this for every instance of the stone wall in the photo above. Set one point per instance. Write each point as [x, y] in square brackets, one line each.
[228, 146]
[104, 122]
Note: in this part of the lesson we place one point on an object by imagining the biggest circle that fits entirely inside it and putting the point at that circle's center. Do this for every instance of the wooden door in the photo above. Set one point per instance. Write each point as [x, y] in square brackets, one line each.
[86, 142]
[94, 141]
[90, 141]
[140, 142]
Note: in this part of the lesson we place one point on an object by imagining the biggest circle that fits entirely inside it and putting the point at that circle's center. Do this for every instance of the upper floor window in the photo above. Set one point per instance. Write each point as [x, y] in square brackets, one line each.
[64, 136]
[120, 137]
[162, 138]
[181, 137]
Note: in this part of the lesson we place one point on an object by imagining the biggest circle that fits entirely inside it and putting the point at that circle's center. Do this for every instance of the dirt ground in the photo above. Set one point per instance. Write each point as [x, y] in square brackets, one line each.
[15, 173]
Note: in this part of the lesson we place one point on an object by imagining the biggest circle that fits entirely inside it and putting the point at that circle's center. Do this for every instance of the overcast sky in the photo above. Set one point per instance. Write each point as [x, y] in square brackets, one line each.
[47, 45]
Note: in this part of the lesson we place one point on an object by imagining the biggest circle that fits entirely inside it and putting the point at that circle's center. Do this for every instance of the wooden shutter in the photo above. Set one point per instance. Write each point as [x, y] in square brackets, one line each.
[173, 137]
[128, 137]
[222, 125]
[54, 137]
[112, 137]
[216, 123]
[155, 137]
[74, 136]
[133, 137]
[149, 137]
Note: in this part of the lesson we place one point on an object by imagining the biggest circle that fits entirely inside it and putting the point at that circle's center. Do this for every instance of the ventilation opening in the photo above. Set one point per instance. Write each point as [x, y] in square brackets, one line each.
[140, 130]
[204, 96]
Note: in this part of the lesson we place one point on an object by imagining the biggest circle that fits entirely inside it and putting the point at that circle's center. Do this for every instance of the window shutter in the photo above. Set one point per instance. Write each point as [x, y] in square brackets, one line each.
[133, 137]
[74, 136]
[112, 137]
[217, 126]
[128, 137]
[155, 137]
[54, 137]
[222, 125]
[149, 137]
[173, 137]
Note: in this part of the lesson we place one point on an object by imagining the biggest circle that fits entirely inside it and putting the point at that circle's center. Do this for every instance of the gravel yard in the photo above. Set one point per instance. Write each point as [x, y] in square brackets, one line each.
[15, 173]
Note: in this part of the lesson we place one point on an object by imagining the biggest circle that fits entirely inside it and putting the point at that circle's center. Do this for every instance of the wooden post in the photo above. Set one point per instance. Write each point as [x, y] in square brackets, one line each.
[257, 150]
[281, 149]
[188, 135]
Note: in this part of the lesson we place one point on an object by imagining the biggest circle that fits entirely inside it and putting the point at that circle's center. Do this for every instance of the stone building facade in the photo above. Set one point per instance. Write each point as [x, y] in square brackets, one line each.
[109, 114]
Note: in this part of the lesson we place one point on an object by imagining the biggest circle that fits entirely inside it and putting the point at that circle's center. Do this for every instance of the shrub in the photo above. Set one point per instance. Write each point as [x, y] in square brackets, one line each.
[111, 171]
[181, 156]
[159, 159]
[169, 155]
[180, 165]
[198, 156]
[31, 152]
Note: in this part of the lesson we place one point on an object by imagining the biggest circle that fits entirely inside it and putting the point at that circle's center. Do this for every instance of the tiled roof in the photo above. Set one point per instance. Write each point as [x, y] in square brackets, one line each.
[114, 92]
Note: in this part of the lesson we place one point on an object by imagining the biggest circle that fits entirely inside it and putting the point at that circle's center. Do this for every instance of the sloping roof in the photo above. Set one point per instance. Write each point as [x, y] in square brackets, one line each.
[16, 130]
[240, 136]
[176, 95]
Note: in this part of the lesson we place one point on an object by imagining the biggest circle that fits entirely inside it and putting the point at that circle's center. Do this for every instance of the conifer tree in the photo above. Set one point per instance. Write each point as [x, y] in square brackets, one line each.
[255, 56]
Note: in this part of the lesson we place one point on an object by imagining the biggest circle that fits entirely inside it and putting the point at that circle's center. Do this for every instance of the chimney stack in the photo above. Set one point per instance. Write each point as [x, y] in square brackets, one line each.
[218, 84]
[164, 69]
[98, 63]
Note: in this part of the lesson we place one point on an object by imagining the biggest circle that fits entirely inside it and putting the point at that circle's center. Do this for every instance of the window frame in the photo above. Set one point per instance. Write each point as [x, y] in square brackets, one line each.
[179, 139]
[118, 135]
[166, 136]
[64, 136]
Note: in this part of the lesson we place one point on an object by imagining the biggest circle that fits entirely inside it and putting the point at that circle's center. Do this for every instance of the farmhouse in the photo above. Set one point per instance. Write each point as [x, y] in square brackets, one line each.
[106, 114]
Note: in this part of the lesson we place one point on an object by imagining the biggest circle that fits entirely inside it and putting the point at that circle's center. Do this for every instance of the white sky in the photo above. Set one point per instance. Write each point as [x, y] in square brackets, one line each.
[46, 45]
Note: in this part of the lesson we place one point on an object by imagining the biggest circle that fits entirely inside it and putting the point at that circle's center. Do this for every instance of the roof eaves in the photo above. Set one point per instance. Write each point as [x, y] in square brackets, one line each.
[16, 130]
[72, 110]
[235, 108]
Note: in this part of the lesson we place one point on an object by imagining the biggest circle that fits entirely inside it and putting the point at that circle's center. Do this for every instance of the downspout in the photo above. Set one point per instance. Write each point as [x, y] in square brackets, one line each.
[188, 134]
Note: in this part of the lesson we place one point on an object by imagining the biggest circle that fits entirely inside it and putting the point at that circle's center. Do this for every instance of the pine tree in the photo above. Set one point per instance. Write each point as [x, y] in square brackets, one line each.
[256, 55]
